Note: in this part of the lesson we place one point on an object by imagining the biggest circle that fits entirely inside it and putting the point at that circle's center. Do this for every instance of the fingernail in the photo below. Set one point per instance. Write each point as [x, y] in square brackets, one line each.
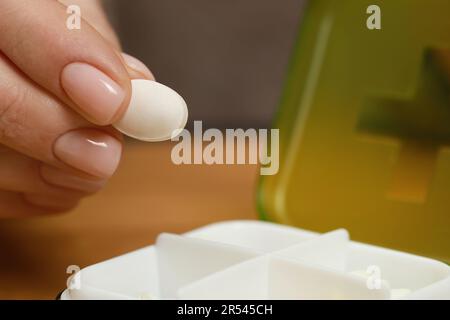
[93, 91]
[137, 65]
[89, 150]
[58, 177]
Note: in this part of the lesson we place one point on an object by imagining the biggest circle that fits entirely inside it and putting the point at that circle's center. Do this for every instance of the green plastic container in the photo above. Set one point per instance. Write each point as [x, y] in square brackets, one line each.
[365, 126]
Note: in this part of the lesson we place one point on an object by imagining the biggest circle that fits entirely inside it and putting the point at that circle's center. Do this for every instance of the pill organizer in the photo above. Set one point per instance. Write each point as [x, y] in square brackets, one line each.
[261, 260]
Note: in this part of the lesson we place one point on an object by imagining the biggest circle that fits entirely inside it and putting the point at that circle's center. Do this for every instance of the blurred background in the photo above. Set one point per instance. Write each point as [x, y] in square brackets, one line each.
[228, 59]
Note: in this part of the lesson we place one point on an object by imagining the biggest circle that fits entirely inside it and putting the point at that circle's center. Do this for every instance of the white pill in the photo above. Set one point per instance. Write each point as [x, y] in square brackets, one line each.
[155, 113]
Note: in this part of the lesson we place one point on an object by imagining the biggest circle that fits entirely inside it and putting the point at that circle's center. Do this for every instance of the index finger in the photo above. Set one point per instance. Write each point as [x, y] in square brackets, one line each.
[78, 66]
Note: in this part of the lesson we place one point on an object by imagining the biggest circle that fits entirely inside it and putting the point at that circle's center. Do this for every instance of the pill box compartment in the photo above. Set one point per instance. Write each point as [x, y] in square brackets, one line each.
[260, 260]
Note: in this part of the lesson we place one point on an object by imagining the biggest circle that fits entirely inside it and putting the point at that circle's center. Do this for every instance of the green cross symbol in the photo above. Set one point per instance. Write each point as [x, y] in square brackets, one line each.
[421, 125]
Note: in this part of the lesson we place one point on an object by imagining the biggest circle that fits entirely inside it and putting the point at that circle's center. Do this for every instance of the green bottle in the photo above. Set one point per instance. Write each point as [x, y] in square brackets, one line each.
[365, 125]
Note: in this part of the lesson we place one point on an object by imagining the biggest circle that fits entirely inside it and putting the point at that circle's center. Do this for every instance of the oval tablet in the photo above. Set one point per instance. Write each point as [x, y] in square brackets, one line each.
[155, 113]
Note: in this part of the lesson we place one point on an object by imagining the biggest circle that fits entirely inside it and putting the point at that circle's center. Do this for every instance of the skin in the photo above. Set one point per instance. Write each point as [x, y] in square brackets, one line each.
[35, 109]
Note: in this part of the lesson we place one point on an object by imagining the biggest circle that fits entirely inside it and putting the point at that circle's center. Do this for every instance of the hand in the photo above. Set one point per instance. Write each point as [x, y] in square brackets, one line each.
[60, 90]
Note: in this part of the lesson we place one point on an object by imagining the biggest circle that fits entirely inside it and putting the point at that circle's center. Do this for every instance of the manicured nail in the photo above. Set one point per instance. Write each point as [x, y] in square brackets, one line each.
[89, 150]
[69, 180]
[138, 65]
[93, 91]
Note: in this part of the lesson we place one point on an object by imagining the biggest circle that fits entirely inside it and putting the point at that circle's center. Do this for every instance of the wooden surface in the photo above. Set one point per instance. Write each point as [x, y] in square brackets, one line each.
[148, 195]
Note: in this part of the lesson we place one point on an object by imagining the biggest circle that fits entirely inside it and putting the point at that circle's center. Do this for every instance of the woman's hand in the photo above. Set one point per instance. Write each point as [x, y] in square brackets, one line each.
[60, 90]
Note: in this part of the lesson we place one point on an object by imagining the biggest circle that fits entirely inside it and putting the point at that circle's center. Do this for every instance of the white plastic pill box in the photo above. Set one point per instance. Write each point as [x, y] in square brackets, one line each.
[260, 260]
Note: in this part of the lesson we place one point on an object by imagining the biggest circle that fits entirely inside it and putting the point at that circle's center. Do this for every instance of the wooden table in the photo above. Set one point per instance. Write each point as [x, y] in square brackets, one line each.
[148, 195]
